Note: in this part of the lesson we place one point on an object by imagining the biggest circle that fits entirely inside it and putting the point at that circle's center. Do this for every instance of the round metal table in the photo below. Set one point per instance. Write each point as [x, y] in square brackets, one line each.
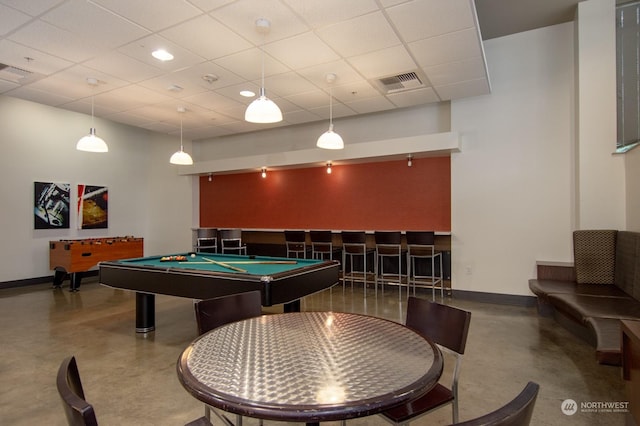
[309, 366]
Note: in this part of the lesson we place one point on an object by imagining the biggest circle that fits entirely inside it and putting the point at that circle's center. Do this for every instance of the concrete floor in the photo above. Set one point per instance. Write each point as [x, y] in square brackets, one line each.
[131, 380]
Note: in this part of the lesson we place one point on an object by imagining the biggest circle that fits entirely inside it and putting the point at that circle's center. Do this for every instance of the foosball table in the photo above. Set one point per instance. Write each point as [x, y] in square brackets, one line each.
[73, 257]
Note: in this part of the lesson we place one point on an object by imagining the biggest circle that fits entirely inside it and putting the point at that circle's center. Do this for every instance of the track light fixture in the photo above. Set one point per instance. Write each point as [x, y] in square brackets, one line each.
[328, 167]
[263, 172]
[409, 160]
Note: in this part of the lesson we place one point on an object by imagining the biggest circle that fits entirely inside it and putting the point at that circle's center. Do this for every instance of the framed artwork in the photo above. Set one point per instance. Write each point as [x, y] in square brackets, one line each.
[93, 207]
[51, 205]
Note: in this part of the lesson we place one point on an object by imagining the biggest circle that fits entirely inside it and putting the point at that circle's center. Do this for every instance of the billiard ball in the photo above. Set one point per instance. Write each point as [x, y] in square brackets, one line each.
[193, 255]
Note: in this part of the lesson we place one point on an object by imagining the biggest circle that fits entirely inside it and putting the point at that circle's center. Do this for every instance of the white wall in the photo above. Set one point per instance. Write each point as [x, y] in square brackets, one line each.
[600, 173]
[512, 183]
[146, 196]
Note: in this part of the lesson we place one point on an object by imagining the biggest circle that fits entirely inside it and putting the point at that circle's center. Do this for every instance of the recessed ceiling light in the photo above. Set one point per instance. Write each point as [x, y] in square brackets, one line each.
[247, 93]
[162, 55]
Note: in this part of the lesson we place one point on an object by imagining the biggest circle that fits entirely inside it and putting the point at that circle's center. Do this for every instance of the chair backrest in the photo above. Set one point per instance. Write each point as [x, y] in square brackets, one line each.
[295, 236]
[353, 237]
[388, 237]
[442, 324]
[78, 411]
[424, 238]
[321, 236]
[212, 313]
[518, 412]
[230, 234]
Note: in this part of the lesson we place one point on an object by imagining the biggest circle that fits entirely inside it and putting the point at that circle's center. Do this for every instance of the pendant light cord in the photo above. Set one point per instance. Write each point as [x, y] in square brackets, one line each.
[181, 147]
[330, 108]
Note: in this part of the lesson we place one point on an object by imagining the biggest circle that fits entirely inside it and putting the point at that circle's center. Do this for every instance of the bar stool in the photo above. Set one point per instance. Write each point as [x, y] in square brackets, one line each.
[231, 241]
[296, 242]
[206, 240]
[421, 245]
[354, 246]
[322, 245]
[389, 247]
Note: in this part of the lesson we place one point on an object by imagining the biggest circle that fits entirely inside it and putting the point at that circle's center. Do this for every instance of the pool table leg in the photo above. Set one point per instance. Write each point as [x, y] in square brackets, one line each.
[145, 312]
[292, 306]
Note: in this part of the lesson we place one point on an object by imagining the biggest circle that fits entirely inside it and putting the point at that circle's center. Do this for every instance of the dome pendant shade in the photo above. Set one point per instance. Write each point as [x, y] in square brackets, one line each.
[263, 110]
[92, 143]
[181, 158]
[330, 140]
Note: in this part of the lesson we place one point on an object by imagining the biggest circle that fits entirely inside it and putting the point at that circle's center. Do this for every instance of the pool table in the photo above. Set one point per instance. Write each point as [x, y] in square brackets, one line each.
[208, 275]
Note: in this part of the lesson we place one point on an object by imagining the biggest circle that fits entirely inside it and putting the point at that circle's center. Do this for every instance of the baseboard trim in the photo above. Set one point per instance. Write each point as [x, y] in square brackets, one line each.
[38, 280]
[495, 298]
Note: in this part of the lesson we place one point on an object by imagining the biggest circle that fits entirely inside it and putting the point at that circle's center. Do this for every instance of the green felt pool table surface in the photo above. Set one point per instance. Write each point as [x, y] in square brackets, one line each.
[226, 263]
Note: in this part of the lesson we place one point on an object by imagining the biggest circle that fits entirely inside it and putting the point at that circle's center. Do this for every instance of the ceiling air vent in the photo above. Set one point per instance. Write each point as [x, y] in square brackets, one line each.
[14, 74]
[400, 82]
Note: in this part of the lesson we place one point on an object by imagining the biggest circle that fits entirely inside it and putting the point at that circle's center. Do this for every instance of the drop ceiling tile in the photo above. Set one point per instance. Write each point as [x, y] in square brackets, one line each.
[339, 110]
[383, 63]
[56, 41]
[309, 100]
[159, 126]
[301, 116]
[5, 86]
[451, 47]
[209, 5]
[39, 96]
[320, 13]
[207, 37]
[33, 8]
[241, 16]
[74, 82]
[414, 97]
[301, 51]
[365, 106]
[389, 3]
[233, 92]
[11, 19]
[421, 19]
[248, 64]
[452, 72]
[129, 117]
[124, 67]
[213, 101]
[141, 50]
[85, 19]
[287, 84]
[129, 97]
[464, 89]
[14, 54]
[152, 14]
[317, 74]
[354, 91]
[84, 107]
[360, 35]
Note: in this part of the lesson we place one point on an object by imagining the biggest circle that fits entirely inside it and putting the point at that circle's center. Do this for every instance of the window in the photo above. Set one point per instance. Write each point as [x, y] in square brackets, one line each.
[628, 75]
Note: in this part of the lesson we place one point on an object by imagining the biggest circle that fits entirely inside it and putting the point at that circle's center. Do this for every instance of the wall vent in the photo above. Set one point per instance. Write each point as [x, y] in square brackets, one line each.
[14, 74]
[400, 82]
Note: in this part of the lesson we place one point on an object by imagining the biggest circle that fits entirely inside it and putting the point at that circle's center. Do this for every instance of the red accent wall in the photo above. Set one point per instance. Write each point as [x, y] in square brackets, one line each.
[370, 196]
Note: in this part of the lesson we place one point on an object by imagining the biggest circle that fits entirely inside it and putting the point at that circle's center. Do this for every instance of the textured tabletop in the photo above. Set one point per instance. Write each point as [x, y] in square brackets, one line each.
[309, 366]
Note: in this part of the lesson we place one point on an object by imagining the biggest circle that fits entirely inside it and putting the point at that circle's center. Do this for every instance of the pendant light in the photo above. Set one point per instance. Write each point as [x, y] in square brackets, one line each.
[181, 157]
[263, 109]
[330, 139]
[91, 142]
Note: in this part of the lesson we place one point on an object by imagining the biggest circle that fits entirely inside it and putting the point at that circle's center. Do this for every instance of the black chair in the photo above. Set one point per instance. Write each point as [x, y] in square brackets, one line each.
[448, 327]
[322, 245]
[421, 249]
[231, 241]
[389, 247]
[518, 412]
[296, 242]
[213, 313]
[78, 411]
[354, 246]
[206, 240]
